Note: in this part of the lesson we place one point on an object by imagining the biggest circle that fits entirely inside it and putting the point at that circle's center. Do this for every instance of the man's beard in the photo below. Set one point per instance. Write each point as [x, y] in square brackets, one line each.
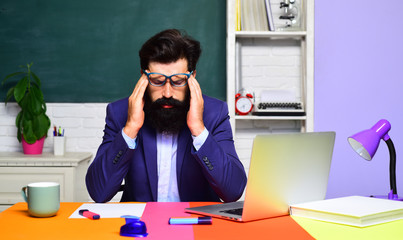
[167, 120]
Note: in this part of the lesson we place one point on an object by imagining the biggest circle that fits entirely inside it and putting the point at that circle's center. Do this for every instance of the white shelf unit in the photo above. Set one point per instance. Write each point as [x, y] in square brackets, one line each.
[258, 60]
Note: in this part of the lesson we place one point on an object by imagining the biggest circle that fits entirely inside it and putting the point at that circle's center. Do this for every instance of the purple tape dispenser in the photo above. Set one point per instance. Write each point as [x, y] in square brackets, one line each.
[133, 227]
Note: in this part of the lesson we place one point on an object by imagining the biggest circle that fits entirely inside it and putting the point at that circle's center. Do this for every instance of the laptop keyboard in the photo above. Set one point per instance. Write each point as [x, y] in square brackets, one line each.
[236, 211]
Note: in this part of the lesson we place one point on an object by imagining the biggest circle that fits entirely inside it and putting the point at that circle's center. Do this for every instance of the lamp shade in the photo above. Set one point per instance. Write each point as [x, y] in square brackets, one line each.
[366, 142]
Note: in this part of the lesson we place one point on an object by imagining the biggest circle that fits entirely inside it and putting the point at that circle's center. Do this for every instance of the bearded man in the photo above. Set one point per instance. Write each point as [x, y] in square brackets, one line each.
[167, 141]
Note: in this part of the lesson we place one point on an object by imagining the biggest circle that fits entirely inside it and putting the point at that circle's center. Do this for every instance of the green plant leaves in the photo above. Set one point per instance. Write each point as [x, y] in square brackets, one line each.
[10, 94]
[37, 80]
[20, 89]
[34, 103]
[32, 122]
[18, 123]
[36, 92]
[41, 125]
[33, 127]
[27, 131]
[24, 101]
[11, 75]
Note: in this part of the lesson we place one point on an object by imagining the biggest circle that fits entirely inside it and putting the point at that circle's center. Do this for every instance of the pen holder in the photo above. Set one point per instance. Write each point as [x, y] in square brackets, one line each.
[59, 145]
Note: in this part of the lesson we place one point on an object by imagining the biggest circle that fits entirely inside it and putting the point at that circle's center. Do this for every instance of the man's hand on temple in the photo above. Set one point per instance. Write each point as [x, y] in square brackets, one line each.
[135, 114]
[195, 114]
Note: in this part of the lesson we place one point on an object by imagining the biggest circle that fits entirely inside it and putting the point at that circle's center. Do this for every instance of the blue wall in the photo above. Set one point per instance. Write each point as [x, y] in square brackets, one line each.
[358, 80]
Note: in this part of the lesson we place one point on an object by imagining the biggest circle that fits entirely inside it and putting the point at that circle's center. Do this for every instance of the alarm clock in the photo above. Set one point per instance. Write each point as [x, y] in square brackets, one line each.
[243, 103]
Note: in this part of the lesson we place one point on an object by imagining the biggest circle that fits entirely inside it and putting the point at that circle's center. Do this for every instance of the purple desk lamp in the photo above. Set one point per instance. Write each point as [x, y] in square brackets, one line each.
[366, 143]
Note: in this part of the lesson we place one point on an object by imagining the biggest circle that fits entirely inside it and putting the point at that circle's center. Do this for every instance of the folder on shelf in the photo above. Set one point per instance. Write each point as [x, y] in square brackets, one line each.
[238, 15]
[245, 18]
[260, 14]
[269, 14]
[253, 15]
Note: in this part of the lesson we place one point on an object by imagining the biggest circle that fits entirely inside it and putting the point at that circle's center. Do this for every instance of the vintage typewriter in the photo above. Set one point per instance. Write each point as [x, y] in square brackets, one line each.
[279, 109]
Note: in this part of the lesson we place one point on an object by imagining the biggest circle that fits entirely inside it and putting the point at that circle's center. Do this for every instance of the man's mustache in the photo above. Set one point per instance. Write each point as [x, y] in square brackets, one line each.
[168, 101]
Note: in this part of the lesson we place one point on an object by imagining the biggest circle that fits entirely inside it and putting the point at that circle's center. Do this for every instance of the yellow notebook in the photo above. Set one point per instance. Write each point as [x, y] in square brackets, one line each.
[354, 210]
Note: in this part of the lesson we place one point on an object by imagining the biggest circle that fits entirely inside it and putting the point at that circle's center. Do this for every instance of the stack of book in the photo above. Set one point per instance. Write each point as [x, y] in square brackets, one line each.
[354, 210]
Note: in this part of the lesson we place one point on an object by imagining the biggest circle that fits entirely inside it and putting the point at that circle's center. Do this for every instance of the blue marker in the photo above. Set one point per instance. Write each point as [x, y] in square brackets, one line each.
[185, 220]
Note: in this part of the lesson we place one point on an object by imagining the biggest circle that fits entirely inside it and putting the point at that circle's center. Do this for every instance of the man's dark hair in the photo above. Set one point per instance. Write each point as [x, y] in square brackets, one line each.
[169, 46]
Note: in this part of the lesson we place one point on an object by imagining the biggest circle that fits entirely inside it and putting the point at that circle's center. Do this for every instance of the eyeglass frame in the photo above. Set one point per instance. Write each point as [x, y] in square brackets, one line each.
[166, 78]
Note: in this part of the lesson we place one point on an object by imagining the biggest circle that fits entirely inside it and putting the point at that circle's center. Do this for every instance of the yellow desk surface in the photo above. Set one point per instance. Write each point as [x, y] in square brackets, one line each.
[332, 231]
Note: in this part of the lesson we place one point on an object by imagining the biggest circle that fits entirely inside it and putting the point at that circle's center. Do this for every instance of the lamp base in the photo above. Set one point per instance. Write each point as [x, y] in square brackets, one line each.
[390, 196]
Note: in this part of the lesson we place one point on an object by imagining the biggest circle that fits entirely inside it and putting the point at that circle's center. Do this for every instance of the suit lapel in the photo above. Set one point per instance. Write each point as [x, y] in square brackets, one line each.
[150, 155]
[183, 142]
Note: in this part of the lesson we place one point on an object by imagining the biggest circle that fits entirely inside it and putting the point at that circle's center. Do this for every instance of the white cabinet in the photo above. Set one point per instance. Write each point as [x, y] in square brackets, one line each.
[17, 170]
[274, 62]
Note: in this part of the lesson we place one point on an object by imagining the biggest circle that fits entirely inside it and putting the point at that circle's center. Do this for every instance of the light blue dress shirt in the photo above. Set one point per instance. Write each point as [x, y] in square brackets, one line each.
[167, 145]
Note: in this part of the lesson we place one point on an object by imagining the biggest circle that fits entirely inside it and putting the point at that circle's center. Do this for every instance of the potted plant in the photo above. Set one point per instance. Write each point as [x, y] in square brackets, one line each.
[32, 122]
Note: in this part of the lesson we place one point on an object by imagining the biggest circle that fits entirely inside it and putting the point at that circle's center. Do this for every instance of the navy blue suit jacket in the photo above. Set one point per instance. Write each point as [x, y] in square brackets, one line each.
[212, 173]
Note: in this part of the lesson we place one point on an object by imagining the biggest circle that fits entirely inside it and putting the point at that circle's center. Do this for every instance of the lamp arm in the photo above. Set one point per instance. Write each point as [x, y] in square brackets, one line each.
[392, 166]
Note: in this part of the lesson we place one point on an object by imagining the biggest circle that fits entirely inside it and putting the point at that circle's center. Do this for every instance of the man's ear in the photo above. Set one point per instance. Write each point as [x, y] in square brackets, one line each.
[194, 73]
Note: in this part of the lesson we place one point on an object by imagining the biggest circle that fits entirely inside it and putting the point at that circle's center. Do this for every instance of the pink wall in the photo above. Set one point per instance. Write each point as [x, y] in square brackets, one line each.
[359, 80]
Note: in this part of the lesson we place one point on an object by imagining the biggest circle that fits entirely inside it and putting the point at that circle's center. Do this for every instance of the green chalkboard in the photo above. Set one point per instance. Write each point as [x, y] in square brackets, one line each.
[87, 51]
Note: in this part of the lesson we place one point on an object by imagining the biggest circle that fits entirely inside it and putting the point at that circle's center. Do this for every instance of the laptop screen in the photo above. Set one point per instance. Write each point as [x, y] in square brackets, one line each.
[287, 169]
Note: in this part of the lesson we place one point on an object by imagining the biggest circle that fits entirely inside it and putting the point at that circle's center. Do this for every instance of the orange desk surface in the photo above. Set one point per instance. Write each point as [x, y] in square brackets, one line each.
[15, 223]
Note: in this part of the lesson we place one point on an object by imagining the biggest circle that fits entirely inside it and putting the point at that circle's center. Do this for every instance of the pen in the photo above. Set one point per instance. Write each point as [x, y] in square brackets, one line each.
[86, 213]
[185, 220]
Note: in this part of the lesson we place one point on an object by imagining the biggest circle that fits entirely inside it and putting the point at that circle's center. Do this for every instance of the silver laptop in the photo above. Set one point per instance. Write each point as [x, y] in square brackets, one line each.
[284, 169]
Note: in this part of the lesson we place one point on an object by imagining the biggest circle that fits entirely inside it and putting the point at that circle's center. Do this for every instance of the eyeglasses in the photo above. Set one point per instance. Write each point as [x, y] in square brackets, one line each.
[159, 79]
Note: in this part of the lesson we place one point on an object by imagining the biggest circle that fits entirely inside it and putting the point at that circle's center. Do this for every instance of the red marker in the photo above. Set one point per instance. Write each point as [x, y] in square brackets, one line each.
[86, 213]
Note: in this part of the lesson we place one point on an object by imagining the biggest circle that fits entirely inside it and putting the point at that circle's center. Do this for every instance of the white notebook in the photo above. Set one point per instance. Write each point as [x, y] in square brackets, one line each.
[354, 210]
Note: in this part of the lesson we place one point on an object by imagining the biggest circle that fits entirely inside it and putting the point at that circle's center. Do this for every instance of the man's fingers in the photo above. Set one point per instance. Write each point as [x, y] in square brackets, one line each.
[141, 87]
[195, 90]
